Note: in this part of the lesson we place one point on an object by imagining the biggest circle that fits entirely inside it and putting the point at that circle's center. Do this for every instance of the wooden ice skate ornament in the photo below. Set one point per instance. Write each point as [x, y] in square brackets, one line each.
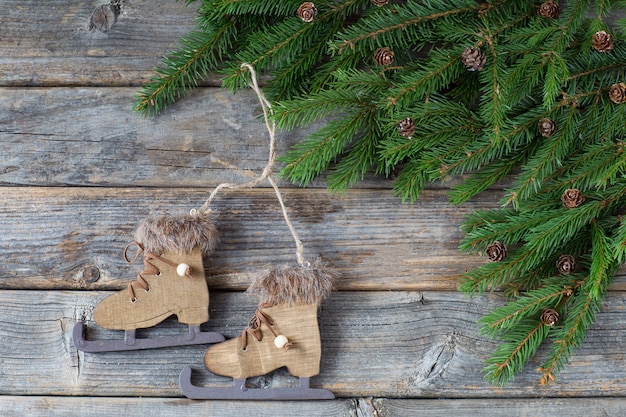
[171, 283]
[283, 332]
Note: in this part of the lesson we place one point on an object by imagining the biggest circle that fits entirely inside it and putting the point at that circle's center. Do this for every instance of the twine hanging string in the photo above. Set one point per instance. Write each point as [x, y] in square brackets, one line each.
[267, 171]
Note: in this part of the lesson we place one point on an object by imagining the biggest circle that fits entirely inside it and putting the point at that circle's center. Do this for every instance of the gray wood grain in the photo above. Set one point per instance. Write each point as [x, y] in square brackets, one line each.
[396, 327]
[11, 406]
[379, 344]
[50, 43]
[588, 407]
[70, 238]
[90, 137]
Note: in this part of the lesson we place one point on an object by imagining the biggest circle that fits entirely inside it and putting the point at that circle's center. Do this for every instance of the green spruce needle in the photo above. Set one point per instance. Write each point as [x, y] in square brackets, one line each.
[513, 95]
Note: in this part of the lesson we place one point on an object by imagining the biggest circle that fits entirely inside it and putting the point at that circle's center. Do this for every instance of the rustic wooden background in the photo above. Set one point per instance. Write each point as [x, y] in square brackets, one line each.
[78, 170]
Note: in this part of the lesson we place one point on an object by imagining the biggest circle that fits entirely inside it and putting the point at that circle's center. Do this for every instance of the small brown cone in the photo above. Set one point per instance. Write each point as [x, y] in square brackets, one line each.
[474, 59]
[572, 198]
[550, 317]
[384, 56]
[307, 11]
[406, 127]
[549, 9]
[565, 264]
[547, 127]
[617, 93]
[602, 41]
[496, 251]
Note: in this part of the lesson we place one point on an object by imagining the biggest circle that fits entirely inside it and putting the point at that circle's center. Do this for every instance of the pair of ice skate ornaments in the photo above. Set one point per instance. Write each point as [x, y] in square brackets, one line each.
[283, 332]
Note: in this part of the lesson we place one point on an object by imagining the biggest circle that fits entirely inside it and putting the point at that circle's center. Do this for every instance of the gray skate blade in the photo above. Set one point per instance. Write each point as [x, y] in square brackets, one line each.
[193, 337]
[239, 392]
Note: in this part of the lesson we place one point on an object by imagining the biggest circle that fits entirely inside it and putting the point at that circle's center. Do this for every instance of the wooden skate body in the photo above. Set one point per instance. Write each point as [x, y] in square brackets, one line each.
[152, 307]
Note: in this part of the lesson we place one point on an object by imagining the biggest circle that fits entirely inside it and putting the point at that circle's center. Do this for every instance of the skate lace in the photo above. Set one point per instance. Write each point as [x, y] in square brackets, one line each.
[149, 269]
[254, 327]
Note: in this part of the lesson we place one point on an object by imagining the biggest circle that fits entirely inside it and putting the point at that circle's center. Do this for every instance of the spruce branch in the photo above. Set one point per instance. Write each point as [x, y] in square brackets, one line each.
[546, 159]
[516, 348]
[596, 167]
[472, 91]
[309, 158]
[437, 74]
[393, 25]
[496, 274]
[358, 160]
[531, 303]
[199, 54]
[507, 226]
[486, 177]
[618, 244]
[581, 314]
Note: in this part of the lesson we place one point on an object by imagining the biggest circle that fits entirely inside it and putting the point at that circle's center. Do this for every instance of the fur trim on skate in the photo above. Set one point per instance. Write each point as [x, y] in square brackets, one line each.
[294, 285]
[179, 234]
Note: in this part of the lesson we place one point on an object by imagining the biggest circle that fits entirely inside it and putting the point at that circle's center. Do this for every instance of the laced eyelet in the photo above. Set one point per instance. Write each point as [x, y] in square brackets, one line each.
[133, 300]
[147, 290]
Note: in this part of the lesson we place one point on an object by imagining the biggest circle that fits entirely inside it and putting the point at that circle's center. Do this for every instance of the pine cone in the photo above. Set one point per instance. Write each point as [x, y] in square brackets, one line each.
[602, 41]
[566, 264]
[406, 127]
[617, 93]
[380, 3]
[384, 56]
[547, 127]
[307, 11]
[496, 251]
[572, 198]
[549, 9]
[474, 59]
[549, 317]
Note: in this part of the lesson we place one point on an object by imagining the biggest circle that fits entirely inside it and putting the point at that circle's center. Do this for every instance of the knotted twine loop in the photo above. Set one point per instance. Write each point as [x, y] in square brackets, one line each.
[267, 171]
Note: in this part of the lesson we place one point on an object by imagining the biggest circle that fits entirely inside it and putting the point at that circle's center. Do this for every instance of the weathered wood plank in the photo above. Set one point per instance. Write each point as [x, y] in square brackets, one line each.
[90, 137]
[50, 43]
[55, 238]
[176, 407]
[381, 344]
[588, 407]
[170, 407]
[71, 238]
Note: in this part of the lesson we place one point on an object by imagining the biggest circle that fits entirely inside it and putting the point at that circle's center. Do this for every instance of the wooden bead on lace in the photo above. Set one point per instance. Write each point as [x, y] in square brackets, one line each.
[280, 341]
[182, 269]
